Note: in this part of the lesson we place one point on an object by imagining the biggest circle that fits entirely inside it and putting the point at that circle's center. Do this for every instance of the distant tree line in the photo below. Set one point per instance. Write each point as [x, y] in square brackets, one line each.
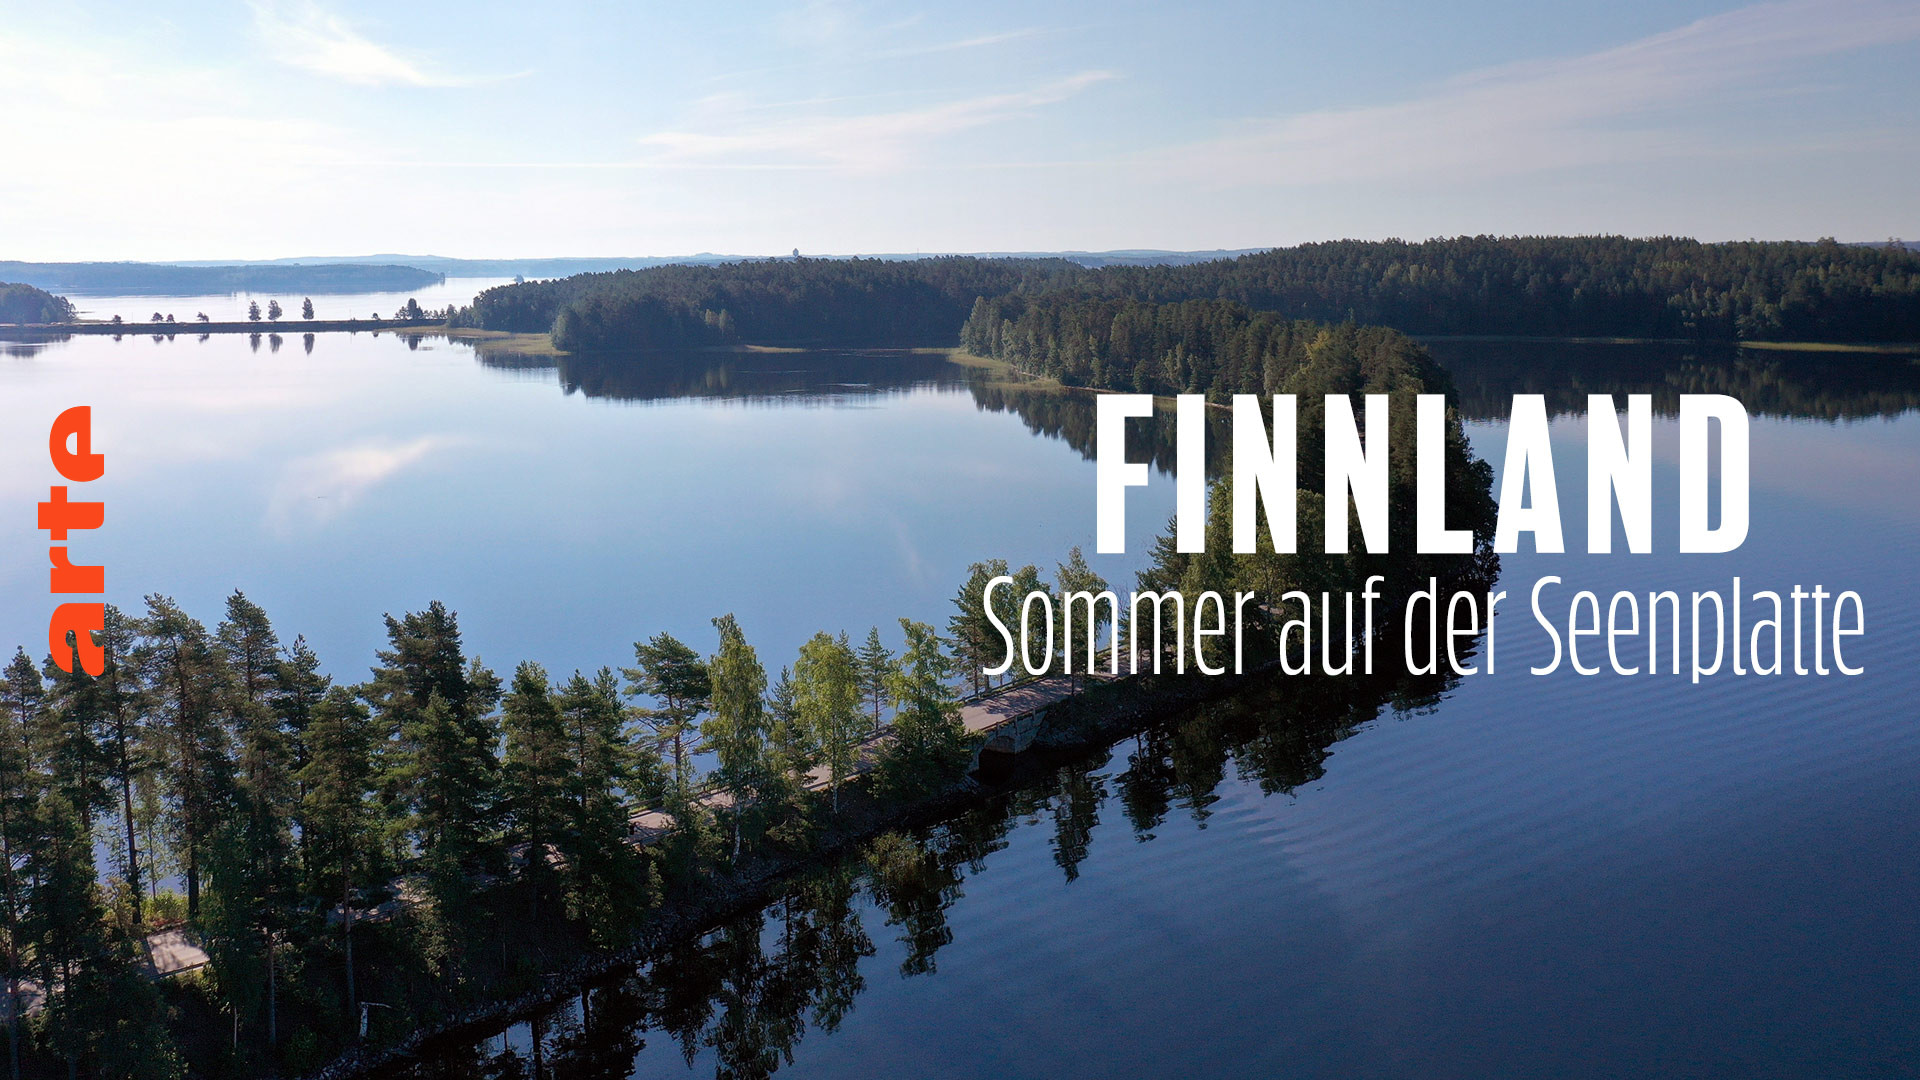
[1565, 286]
[849, 302]
[1580, 286]
[1215, 347]
[26, 304]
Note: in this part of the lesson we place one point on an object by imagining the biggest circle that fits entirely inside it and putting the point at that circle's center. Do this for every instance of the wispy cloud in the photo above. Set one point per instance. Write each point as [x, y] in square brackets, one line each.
[1608, 106]
[860, 142]
[317, 488]
[978, 42]
[308, 37]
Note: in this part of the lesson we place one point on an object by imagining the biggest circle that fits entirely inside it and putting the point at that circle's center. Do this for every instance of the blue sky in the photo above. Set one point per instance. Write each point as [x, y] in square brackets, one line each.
[288, 127]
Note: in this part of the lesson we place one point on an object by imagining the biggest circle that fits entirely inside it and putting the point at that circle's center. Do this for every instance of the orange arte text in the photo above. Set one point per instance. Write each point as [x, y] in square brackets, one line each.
[71, 631]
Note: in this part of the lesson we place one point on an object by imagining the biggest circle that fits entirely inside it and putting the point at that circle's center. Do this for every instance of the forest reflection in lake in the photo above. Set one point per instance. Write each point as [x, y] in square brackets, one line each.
[1802, 382]
[1509, 876]
[1526, 876]
[743, 998]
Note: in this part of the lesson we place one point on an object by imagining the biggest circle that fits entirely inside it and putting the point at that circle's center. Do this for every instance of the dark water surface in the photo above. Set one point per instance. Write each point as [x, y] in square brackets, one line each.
[1536, 876]
[1531, 876]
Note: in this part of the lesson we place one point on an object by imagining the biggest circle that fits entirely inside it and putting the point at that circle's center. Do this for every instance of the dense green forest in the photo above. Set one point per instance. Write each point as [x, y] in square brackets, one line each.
[851, 302]
[1586, 286]
[1214, 347]
[1565, 286]
[431, 838]
[1220, 348]
[25, 304]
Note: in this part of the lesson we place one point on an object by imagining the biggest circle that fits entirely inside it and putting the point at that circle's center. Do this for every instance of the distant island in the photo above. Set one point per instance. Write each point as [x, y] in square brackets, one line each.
[335, 274]
[157, 279]
[21, 303]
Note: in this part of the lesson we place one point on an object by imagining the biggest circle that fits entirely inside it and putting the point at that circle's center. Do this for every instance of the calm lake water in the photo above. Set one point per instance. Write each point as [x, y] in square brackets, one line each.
[1551, 876]
[563, 515]
[232, 307]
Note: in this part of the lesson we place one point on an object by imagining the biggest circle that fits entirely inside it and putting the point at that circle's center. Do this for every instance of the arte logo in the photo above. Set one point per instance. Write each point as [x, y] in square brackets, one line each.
[58, 515]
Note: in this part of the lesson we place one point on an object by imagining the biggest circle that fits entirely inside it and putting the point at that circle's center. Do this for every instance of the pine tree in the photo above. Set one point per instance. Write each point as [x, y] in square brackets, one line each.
[536, 773]
[257, 883]
[452, 787]
[126, 756]
[1075, 576]
[1009, 603]
[974, 639]
[265, 773]
[337, 811]
[68, 738]
[790, 749]
[298, 689]
[676, 678]
[100, 1008]
[22, 695]
[929, 742]
[186, 683]
[603, 867]
[876, 664]
[441, 777]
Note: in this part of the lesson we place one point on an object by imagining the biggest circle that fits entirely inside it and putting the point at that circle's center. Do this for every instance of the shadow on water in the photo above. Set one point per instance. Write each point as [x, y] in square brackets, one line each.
[1800, 383]
[1797, 383]
[823, 377]
[744, 998]
[783, 377]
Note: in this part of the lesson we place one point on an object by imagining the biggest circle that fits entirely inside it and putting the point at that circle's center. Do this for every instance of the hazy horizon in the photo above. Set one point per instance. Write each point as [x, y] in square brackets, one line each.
[248, 130]
[1225, 253]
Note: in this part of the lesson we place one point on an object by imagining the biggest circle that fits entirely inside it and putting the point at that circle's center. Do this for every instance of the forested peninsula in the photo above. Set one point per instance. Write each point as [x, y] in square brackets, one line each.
[442, 840]
[1595, 286]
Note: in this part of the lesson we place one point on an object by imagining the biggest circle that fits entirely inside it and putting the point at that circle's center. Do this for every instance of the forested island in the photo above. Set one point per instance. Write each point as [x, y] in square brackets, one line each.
[21, 303]
[1502, 286]
[848, 302]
